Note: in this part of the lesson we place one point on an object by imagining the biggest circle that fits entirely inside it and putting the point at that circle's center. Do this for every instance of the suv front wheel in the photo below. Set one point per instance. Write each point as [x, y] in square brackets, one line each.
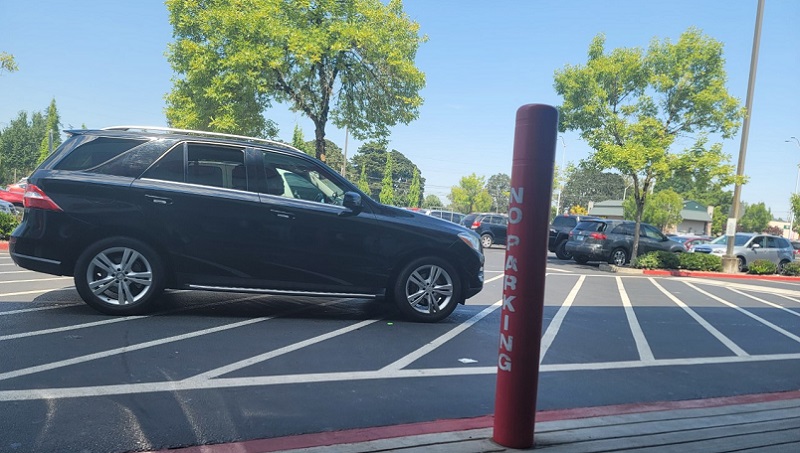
[427, 290]
[119, 276]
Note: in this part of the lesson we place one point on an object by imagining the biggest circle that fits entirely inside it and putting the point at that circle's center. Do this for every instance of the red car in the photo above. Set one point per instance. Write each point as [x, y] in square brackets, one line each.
[15, 192]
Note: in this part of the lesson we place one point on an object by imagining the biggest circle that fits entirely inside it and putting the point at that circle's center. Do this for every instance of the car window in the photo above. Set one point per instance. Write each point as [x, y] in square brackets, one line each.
[294, 177]
[783, 243]
[652, 233]
[591, 226]
[205, 165]
[772, 242]
[760, 240]
[96, 152]
[564, 222]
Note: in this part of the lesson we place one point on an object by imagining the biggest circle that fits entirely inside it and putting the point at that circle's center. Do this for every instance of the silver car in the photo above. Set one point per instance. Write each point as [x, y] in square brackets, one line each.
[748, 247]
[7, 207]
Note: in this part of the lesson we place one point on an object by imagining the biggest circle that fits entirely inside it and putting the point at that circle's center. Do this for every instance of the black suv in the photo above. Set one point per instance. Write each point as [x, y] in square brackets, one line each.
[130, 211]
[559, 233]
[492, 228]
[612, 241]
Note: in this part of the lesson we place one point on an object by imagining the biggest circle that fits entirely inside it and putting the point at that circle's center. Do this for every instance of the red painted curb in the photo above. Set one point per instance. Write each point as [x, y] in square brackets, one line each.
[678, 273]
[445, 426]
[4, 246]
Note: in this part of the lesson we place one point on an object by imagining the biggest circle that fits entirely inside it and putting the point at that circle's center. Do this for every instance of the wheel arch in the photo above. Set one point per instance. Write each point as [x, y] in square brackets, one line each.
[401, 261]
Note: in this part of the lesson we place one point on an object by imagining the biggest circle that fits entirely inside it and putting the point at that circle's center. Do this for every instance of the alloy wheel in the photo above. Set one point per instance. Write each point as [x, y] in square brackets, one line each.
[429, 289]
[119, 276]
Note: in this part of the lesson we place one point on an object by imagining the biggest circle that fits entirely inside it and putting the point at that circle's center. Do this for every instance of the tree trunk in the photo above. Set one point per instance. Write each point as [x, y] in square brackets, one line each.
[319, 139]
[639, 211]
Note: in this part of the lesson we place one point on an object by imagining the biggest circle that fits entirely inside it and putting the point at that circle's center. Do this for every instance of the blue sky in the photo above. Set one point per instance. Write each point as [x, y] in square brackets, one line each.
[103, 62]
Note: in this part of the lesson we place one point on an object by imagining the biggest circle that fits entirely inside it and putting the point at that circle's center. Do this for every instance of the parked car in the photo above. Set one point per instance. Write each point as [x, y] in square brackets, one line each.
[559, 233]
[690, 241]
[612, 241]
[491, 227]
[129, 211]
[748, 247]
[796, 247]
[455, 217]
[14, 192]
[7, 207]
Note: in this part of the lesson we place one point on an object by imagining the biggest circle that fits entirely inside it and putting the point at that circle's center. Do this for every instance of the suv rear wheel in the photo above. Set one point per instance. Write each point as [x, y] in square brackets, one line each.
[119, 276]
[428, 289]
[561, 251]
[618, 257]
[486, 240]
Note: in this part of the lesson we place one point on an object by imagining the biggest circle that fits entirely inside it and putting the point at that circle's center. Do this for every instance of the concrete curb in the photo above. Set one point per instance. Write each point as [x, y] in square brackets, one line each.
[620, 270]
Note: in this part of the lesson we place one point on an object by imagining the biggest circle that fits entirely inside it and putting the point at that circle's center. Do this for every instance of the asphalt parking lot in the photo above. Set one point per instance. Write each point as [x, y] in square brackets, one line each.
[213, 368]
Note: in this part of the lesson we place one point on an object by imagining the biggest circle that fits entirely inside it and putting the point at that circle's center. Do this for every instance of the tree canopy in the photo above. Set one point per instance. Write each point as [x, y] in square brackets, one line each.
[7, 62]
[348, 61]
[586, 182]
[662, 210]
[19, 145]
[371, 156]
[499, 188]
[629, 105]
[755, 219]
[470, 195]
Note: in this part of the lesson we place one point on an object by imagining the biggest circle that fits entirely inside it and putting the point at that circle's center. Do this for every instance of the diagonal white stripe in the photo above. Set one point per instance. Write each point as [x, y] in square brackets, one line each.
[555, 324]
[711, 329]
[645, 353]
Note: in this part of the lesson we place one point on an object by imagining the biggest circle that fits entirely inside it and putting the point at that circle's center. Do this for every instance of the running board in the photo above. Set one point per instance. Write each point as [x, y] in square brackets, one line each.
[281, 292]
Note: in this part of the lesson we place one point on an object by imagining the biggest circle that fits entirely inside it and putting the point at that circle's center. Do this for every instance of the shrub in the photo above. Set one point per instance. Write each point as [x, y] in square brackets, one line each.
[7, 224]
[792, 268]
[762, 267]
[700, 262]
[657, 260]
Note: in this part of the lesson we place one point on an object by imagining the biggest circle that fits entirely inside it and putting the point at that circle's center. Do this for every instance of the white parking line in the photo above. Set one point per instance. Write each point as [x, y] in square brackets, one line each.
[35, 280]
[560, 270]
[645, 353]
[555, 324]
[711, 329]
[38, 291]
[771, 304]
[16, 272]
[747, 313]
[349, 376]
[26, 310]
[211, 374]
[414, 356]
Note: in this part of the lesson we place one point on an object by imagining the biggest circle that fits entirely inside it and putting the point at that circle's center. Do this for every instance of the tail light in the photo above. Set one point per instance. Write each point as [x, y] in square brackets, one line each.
[476, 224]
[571, 234]
[36, 198]
[599, 236]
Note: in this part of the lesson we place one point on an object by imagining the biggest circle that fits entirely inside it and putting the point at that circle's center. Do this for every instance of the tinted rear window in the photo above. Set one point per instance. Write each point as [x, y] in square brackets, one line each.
[564, 222]
[97, 152]
[591, 226]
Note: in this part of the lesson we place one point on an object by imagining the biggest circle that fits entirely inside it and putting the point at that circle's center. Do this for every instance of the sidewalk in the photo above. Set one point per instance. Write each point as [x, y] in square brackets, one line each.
[766, 423]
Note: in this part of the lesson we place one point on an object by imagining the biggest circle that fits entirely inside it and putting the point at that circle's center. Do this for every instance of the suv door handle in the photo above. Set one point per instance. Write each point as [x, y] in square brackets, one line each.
[282, 214]
[159, 200]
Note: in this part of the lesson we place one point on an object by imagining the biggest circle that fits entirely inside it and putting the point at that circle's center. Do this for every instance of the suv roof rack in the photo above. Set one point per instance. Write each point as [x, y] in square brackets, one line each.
[198, 133]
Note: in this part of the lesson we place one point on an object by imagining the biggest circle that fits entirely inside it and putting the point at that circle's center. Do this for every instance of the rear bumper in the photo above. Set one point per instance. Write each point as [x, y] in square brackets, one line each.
[590, 251]
[34, 263]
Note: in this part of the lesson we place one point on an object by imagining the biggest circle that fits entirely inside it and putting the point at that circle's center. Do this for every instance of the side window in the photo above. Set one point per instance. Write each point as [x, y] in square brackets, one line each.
[206, 165]
[294, 177]
[96, 152]
[760, 240]
[652, 233]
[772, 243]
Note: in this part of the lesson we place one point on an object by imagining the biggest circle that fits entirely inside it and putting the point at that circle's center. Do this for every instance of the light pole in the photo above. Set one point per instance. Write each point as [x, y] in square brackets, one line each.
[561, 183]
[791, 215]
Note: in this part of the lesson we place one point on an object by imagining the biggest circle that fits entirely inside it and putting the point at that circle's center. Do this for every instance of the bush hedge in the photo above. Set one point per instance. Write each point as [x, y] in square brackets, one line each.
[762, 267]
[7, 224]
[688, 261]
[792, 268]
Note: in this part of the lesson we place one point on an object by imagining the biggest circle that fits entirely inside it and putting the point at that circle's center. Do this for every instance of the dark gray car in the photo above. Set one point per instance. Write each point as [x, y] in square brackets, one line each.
[612, 241]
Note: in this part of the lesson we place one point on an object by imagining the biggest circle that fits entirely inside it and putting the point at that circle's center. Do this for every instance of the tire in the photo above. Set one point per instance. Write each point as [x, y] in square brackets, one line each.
[486, 240]
[580, 259]
[781, 265]
[741, 264]
[561, 251]
[421, 299]
[119, 276]
[618, 257]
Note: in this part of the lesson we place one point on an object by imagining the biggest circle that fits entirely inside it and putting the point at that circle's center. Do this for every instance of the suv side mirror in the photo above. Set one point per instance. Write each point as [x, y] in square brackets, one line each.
[352, 201]
[755, 246]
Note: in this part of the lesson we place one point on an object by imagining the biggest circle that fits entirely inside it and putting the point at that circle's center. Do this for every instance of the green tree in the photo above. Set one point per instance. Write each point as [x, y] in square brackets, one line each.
[335, 154]
[19, 146]
[662, 210]
[363, 184]
[629, 105]
[414, 191]
[299, 141]
[499, 188]
[52, 136]
[794, 202]
[348, 61]
[387, 185]
[431, 202]
[756, 218]
[7, 63]
[586, 182]
[470, 195]
[372, 155]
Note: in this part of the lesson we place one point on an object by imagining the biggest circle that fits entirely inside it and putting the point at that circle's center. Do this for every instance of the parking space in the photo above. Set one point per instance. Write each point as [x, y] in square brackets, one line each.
[215, 367]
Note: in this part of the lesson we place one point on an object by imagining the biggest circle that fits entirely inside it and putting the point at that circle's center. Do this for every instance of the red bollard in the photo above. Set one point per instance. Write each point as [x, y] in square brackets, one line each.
[523, 285]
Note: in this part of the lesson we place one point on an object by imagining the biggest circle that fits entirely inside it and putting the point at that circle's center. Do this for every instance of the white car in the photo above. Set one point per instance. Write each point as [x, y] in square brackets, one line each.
[748, 247]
